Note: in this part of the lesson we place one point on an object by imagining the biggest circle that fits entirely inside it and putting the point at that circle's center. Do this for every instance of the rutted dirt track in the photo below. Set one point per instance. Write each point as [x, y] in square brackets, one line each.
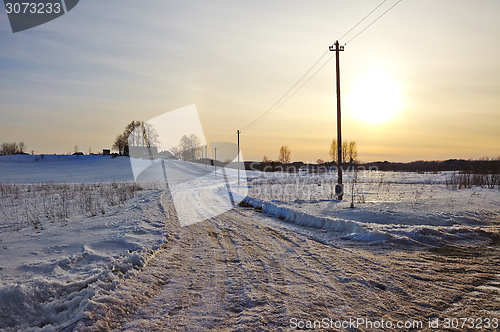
[241, 271]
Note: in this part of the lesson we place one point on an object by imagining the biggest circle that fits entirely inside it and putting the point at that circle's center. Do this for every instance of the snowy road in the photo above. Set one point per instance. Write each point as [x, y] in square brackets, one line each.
[246, 271]
[413, 249]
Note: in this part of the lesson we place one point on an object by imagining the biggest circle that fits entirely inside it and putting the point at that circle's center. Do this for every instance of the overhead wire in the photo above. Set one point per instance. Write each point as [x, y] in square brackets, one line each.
[287, 92]
[230, 138]
[364, 18]
[280, 101]
[369, 25]
[284, 101]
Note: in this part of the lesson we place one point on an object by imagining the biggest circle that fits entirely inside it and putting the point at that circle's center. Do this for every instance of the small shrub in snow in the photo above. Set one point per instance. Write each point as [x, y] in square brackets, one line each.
[31, 205]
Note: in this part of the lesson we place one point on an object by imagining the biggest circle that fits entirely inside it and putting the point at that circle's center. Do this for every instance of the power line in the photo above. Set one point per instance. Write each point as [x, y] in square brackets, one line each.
[283, 96]
[284, 101]
[270, 110]
[364, 18]
[274, 107]
[369, 25]
[230, 138]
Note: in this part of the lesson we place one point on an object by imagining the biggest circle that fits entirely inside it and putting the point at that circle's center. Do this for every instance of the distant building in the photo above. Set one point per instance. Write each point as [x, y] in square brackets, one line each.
[106, 152]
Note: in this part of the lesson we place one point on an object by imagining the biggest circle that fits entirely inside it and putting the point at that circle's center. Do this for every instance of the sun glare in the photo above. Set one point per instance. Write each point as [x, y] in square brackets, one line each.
[375, 97]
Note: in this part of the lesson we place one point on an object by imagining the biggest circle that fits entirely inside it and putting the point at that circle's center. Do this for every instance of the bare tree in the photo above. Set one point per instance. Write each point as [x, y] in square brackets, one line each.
[284, 155]
[175, 151]
[8, 148]
[266, 160]
[152, 135]
[143, 134]
[131, 127]
[21, 147]
[345, 145]
[352, 151]
[349, 150]
[333, 150]
[121, 141]
[12, 148]
[136, 133]
[320, 161]
[189, 147]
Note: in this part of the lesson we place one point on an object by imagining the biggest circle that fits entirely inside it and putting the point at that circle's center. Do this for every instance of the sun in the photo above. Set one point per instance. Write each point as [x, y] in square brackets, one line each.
[375, 97]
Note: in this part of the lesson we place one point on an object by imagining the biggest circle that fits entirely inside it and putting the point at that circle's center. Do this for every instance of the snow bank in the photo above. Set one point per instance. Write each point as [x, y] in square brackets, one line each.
[399, 207]
[53, 277]
[367, 231]
[352, 229]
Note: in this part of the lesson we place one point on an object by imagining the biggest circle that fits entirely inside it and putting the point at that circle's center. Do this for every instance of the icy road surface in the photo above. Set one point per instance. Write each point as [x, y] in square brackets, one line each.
[246, 271]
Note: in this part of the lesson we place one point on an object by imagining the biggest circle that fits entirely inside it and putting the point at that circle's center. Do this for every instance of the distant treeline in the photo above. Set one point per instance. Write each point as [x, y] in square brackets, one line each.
[468, 166]
[12, 148]
[479, 166]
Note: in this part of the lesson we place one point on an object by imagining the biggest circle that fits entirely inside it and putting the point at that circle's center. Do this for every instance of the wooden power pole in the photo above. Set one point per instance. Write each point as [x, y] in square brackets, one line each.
[215, 163]
[337, 48]
[238, 132]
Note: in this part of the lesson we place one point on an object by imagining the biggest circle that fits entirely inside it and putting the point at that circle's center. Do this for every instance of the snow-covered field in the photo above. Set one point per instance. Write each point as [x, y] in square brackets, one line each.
[388, 206]
[411, 248]
[64, 169]
[68, 236]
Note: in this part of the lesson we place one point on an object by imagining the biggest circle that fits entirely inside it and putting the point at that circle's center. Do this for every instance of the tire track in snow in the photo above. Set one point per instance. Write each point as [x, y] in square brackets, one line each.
[239, 271]
[252, 276]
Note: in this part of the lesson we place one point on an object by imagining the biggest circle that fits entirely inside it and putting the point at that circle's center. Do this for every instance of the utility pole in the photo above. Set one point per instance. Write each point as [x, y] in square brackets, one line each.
[335, 47]
[238, 132]
[215, 163]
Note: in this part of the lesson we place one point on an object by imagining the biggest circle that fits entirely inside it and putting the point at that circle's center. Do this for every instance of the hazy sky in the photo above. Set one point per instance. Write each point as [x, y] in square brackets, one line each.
[78, 80]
